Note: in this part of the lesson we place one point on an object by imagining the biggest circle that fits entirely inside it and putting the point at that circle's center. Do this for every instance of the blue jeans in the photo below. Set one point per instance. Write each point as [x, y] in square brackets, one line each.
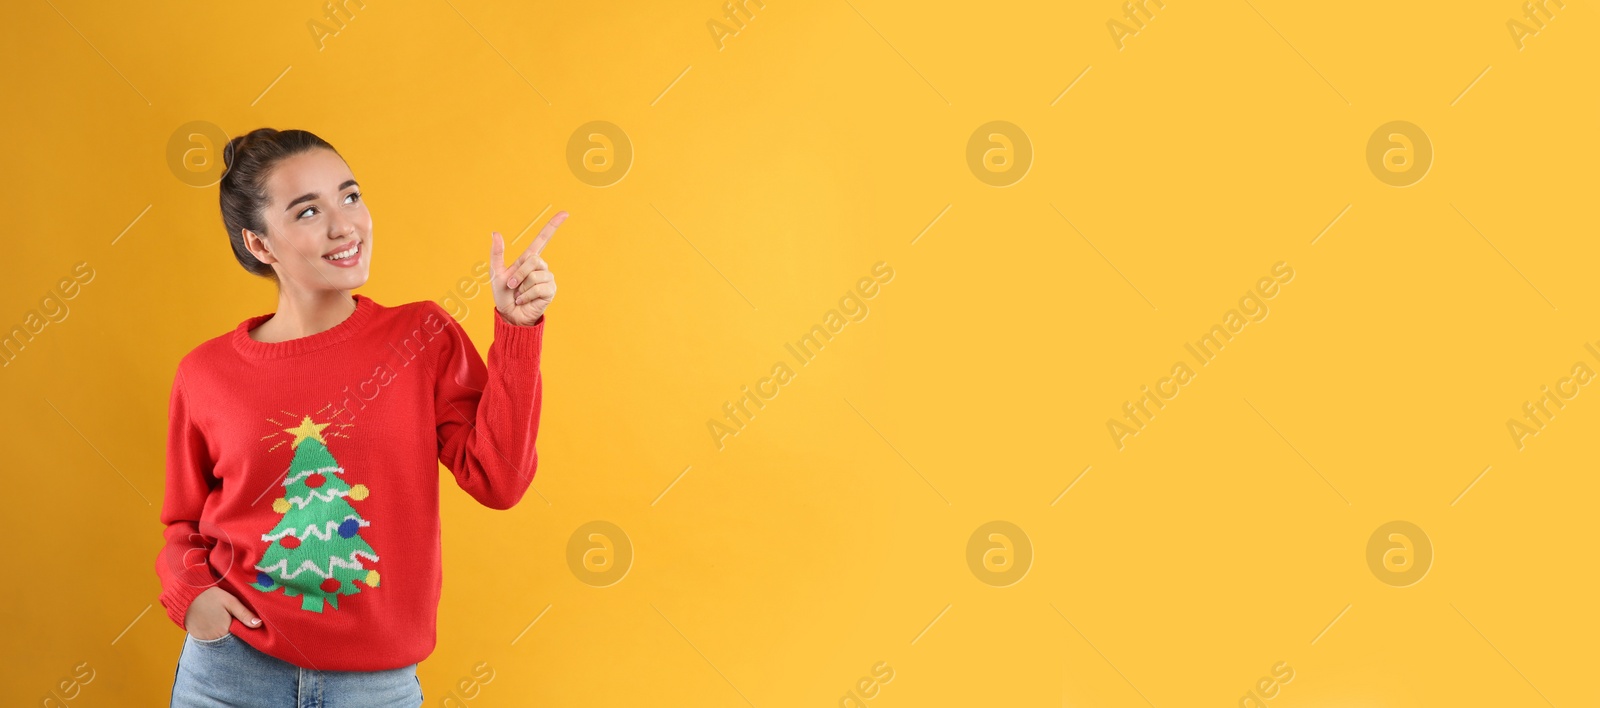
[227, 671]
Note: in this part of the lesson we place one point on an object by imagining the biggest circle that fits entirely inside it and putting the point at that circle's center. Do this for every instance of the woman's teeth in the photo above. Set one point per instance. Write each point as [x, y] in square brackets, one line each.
[345, 253]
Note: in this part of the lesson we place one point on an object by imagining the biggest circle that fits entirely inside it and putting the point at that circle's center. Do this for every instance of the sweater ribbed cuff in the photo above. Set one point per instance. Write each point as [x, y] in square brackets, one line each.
[183, 590]
[518, 341]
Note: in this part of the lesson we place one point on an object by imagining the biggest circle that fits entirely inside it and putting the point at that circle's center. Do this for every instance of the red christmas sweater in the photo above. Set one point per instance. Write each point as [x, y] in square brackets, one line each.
[303, 475]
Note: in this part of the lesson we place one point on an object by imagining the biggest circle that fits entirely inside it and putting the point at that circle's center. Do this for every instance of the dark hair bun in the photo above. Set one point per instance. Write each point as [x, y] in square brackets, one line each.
[247, 161]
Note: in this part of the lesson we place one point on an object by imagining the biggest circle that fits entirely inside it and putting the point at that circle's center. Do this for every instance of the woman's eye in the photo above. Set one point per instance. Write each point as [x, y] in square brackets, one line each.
[355, 195]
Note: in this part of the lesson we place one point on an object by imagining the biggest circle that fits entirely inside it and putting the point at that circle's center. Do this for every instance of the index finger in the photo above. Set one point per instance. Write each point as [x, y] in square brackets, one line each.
[546, 232]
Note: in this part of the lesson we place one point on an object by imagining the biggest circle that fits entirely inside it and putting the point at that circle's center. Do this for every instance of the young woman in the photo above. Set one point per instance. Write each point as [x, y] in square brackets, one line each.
[302, 500]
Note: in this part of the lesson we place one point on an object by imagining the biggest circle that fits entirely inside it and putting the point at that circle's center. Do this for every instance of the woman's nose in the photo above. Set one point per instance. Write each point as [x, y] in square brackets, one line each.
[340, 226]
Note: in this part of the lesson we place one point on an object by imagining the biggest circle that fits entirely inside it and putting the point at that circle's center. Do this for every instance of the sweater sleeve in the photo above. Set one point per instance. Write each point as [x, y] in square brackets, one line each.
[183, 562]
[488, 418]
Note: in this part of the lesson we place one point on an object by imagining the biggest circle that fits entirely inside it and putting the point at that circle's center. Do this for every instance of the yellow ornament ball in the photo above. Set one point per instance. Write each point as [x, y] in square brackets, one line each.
[280, 505]
[358, 492]
[372, 578]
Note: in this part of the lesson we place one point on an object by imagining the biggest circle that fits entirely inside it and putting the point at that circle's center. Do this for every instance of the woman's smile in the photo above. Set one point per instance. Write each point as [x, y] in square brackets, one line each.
[346, 257]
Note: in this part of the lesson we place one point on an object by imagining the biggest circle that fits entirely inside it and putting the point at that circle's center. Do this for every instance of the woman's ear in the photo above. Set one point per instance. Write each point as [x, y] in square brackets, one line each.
[258, 247]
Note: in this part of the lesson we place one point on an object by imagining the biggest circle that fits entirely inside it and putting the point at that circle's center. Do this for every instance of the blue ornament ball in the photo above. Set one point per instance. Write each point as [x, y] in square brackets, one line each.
[263, 580]
[349, 528]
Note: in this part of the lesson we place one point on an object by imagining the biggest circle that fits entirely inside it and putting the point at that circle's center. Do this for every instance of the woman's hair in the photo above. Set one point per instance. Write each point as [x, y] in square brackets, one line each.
[247, 162]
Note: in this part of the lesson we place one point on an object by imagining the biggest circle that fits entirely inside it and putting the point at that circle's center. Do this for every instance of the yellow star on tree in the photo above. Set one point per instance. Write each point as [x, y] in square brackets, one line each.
[307, 429]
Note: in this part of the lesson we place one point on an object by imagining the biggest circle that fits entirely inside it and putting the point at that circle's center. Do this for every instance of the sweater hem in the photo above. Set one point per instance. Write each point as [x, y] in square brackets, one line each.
[299, 660]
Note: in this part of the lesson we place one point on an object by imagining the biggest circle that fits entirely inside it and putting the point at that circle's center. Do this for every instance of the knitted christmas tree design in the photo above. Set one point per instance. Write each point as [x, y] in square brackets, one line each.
[317, 550]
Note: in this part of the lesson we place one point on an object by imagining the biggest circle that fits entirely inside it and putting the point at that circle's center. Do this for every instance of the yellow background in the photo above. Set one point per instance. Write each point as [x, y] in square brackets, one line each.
[831, 533]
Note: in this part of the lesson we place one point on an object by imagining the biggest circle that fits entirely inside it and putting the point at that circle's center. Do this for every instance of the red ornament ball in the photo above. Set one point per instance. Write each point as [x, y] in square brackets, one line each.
[316, 480]
[330, 585]
[290, 542]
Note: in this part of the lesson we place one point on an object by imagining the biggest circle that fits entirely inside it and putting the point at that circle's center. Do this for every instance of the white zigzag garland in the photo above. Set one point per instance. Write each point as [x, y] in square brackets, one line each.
[324, 533]
[282, 566]
[306, 473]
[301, 502]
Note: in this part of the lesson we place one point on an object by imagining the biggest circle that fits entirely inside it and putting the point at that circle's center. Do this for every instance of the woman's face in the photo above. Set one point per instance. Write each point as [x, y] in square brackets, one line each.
[315, 210]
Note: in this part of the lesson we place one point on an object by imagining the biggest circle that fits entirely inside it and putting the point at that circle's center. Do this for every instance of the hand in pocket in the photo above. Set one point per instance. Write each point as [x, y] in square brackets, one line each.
[210, 614]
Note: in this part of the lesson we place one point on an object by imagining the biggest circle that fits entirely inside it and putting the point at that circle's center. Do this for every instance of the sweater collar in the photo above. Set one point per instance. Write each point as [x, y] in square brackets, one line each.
[252, 349]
